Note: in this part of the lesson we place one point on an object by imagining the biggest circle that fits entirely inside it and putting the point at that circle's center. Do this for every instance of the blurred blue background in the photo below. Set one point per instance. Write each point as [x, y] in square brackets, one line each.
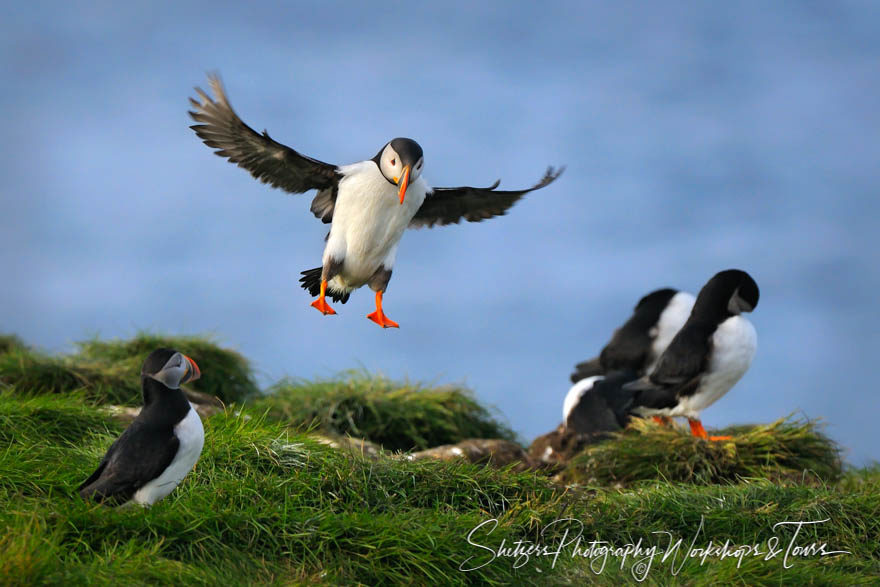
[698, 137]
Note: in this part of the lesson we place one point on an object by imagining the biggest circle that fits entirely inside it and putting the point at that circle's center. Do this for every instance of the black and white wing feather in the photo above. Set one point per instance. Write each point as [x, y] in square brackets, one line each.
[449, 205]
[678, 371]
[265, 159]
[130, 462]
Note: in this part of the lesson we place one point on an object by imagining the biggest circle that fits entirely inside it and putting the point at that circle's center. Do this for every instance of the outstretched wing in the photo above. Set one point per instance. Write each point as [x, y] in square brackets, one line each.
[130, 462]
[449, 205]
[265, 159]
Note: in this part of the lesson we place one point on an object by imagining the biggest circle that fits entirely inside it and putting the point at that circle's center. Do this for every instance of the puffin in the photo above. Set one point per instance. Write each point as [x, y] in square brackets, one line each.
[162, 444]
[706, 358]
[368, 204]
[595, 403]
[638, 343]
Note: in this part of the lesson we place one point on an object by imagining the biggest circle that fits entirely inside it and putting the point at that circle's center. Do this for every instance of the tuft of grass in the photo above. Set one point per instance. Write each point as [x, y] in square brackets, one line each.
[398, 416]
[784, 450]
[109, 371]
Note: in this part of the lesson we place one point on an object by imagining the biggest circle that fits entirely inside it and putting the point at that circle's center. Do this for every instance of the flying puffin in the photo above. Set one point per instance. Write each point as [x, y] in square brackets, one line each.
[368, 204]
[710, 353]
[637, 344]
[162, 444]
[595, 402]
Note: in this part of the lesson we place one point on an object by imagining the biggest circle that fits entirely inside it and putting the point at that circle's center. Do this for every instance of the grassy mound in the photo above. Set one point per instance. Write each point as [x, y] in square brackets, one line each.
[109, 371]
[264, 506]
[783, 450]
[398, 416]
[261, 505]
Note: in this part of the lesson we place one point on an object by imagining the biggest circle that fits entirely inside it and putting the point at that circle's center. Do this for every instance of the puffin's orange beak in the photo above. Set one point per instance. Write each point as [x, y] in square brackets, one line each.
[404, 181]
[193, 372]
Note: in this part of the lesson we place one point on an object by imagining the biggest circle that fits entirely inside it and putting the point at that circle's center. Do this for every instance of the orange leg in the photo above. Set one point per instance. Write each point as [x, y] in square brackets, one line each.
[698, 430]
[379, 316]
[662, 420]
[321, 304]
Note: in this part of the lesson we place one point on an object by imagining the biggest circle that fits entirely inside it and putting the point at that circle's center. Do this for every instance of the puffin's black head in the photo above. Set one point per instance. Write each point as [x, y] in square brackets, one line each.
[170, 367]
[733, 289]
[400, 161]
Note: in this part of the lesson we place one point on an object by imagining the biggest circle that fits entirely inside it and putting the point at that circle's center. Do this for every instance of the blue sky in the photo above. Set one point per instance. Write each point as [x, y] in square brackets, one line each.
[697, 137]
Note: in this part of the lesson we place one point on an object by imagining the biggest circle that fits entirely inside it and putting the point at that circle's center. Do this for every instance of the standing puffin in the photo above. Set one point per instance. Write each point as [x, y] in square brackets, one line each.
[639, 342]
[710, 353]
[368, 204]
[162, 444]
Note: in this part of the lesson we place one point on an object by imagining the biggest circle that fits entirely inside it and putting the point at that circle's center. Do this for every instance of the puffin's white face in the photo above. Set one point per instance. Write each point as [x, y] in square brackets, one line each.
[178, 369]
[401, 163]
[392, 167]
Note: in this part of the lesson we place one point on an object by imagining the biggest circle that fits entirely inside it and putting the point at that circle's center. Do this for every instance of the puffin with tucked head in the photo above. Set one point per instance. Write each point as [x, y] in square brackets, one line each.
[162, 444]
[367, 204]
[707, 357]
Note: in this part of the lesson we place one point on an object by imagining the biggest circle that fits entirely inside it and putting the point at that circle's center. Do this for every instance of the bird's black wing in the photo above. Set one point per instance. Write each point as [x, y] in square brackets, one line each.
[678, 370]
[449, 205]
[265, 159]
[627, 350]
[133, 460]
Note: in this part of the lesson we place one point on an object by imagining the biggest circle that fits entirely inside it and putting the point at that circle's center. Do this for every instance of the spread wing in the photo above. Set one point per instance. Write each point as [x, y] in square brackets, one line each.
[449, 205]
[265, 159]
[130, 462]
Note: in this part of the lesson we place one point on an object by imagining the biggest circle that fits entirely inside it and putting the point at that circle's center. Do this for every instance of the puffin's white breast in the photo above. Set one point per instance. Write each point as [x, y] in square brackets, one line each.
[733, 347]
[369, 221]
[191, 435]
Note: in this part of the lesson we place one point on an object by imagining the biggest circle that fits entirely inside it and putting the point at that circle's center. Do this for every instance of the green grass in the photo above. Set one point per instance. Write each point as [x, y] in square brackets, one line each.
[786, 449]
[397, 416]
[269, 504]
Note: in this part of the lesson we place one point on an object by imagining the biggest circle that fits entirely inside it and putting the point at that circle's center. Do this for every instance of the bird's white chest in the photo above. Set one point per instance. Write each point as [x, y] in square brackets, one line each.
[191, 435]
[369, 220]
[733, 347]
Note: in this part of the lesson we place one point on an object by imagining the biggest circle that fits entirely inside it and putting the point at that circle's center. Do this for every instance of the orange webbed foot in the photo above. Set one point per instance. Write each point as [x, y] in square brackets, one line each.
[697, 429]
[322, 306]
[382, 320]
[716, 438]
[661, 420]
[321, 303]
[379, 316]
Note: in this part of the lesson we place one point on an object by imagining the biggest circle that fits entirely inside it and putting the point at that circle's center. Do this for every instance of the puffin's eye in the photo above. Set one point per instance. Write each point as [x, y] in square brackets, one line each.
[394, 161]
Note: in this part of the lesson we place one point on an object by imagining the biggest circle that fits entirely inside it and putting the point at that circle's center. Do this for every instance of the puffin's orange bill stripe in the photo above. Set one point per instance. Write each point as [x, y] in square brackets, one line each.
[403, 183]
[196, 372]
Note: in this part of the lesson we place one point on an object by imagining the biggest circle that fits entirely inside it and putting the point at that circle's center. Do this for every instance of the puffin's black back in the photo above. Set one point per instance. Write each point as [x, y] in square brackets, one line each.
[630, 346]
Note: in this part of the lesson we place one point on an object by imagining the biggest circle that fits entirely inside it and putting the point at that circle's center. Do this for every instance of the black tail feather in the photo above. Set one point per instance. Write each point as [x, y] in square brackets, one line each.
[311, 281]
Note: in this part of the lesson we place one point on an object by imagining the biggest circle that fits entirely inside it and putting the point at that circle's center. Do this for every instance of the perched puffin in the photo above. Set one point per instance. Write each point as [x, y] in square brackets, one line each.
[368, 204]
[595, 403]
[710, 353]
[158, 449]
[636, 345]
